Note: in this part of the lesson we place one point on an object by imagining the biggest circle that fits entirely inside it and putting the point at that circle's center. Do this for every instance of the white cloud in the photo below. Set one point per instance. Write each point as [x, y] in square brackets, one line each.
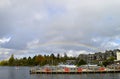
[5, 40]
[33, 44]
[96, 39]
[40, 16]
[110, 45]
[4, 3]
[77, 53]
[4, 53]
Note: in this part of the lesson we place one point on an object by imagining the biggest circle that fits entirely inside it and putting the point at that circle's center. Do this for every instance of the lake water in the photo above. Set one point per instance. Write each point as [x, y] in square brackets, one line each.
[23, 73]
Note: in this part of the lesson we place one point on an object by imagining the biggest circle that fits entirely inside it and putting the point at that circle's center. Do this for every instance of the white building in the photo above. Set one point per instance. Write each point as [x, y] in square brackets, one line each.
[118, 56]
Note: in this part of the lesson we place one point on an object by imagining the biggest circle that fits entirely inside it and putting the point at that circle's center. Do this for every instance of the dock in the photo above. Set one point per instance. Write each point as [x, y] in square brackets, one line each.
[72, 69]
[83, 72]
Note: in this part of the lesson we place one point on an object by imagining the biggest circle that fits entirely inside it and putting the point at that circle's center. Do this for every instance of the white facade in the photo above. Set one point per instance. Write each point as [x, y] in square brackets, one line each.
[69, 66]
[118, 55]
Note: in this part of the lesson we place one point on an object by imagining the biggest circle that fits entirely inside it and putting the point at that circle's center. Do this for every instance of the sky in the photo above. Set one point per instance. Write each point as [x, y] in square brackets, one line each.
[32, 27]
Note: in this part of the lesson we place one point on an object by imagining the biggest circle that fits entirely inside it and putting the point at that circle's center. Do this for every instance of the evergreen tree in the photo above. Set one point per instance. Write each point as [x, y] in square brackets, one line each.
[81, 62]
[11, 60]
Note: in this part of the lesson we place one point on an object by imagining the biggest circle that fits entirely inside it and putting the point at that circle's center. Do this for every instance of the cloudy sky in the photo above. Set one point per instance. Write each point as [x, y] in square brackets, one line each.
[31, 27]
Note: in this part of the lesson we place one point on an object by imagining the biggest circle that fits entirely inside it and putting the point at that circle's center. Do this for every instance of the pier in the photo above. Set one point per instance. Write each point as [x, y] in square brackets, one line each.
[72, 69]
[83, 72]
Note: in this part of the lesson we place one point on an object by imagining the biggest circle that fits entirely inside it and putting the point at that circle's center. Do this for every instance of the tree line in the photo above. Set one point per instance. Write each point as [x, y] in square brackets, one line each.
[53, 60]
[36, 60]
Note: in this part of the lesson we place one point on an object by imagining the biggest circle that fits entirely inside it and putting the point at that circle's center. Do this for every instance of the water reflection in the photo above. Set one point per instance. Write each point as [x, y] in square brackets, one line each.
[23, 73]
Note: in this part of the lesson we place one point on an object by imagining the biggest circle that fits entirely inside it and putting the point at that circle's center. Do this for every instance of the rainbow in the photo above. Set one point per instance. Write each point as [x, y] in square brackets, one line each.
[70, 43]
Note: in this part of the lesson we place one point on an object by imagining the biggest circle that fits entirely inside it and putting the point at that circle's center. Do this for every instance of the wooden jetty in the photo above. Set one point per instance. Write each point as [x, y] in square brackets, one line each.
[71, 69]
[83, 72]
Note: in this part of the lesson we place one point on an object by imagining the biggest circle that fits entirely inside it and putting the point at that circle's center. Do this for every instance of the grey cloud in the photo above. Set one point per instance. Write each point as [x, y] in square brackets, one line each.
[4, 24]
[54, 21]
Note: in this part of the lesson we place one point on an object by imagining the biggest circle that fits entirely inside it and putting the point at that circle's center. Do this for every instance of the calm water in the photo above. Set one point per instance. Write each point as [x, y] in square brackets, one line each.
[23, 73]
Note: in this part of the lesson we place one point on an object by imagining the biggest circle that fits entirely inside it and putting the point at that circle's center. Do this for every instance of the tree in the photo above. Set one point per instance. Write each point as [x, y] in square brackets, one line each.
[58, 56]
[40, 60]
[81, 62]
[111, 58]
[11, 60]
[3, 63]
[52, 58]
[65, 56]
[105, 63]
[29, 61]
